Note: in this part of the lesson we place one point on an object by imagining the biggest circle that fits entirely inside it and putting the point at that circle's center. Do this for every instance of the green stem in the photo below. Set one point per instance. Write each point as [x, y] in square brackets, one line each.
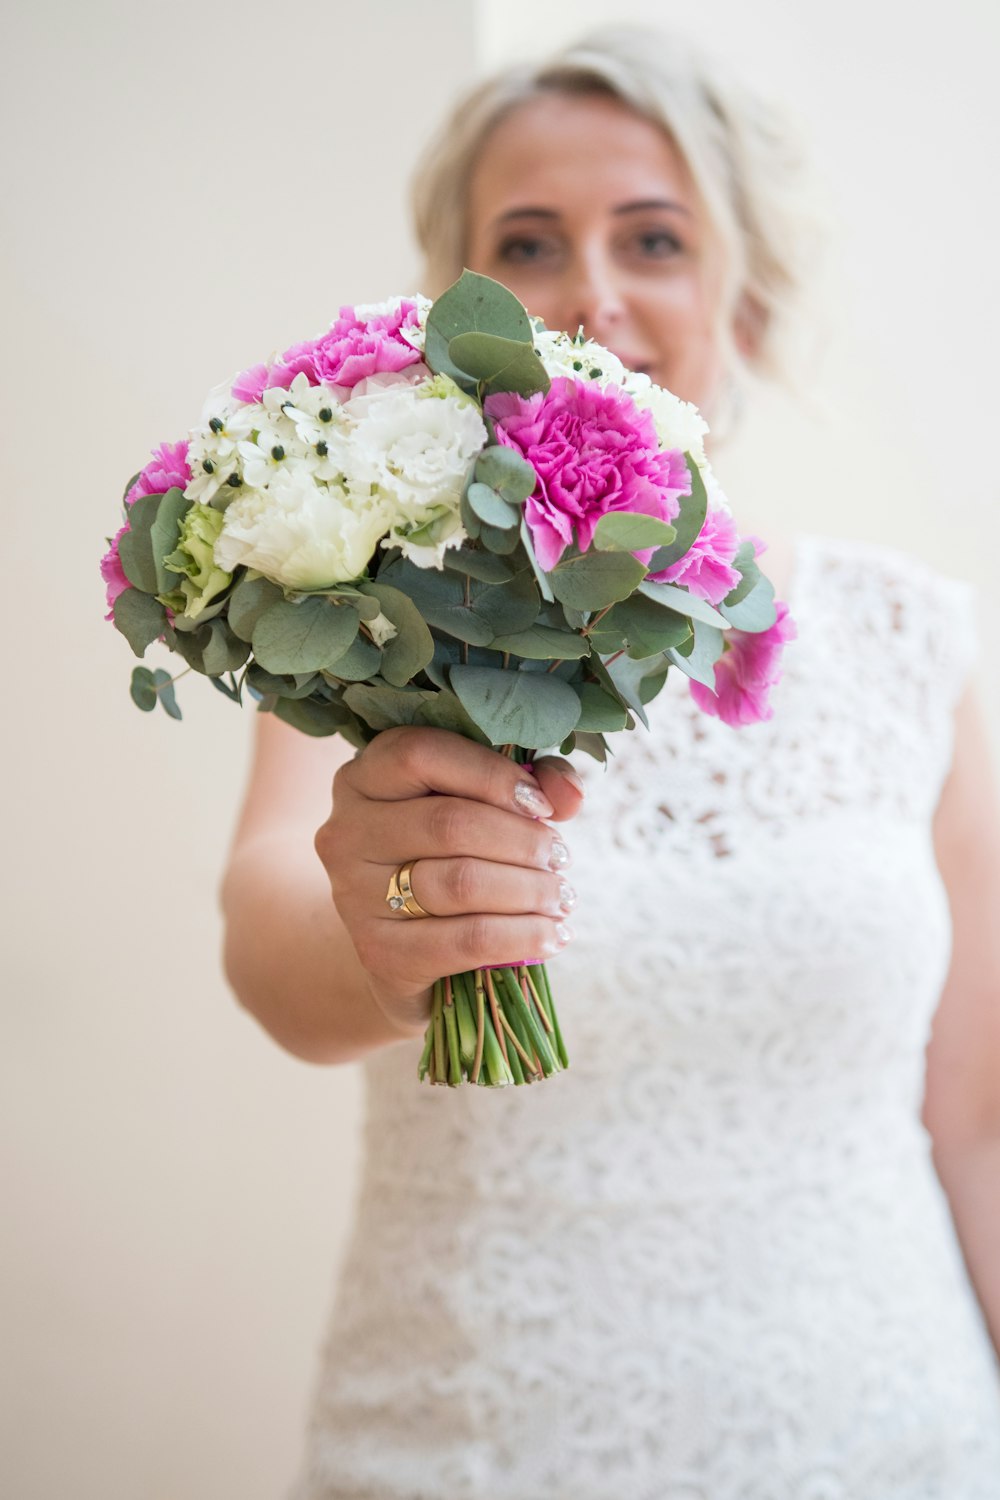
[440, 1053]
[451, 1025]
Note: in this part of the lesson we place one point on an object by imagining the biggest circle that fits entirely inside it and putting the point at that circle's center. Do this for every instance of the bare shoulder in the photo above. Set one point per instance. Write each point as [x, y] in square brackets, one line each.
[291, 776]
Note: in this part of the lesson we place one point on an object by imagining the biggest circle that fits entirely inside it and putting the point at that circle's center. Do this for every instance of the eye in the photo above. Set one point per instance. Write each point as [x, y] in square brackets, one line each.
[657, 244]
[525, 249]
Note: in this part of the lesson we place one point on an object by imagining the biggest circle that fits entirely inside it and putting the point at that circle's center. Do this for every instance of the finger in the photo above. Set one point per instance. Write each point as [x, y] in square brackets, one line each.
[418, 950]
[455, 887]
[561, 785]
[412, 760]
[436, 827]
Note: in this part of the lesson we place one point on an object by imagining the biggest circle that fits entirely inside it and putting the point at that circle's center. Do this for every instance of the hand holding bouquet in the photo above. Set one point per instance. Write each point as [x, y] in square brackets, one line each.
[444, 514]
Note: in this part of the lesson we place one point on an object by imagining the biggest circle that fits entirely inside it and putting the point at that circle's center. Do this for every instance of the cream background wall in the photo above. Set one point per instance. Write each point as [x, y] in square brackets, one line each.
[177, 1188]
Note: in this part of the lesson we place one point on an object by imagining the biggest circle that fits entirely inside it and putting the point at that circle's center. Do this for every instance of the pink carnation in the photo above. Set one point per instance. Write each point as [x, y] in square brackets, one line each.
[353, 349]
[747, 671]
[251, 384]
[113, 573]
[169, 467]
[706, 569]
[594, 452]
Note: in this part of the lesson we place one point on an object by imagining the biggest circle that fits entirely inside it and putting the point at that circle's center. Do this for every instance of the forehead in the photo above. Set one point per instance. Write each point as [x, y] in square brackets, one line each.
[576, 153]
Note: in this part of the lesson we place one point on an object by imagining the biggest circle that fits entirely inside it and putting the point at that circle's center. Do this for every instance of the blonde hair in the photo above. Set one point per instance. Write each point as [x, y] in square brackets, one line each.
[743, 154]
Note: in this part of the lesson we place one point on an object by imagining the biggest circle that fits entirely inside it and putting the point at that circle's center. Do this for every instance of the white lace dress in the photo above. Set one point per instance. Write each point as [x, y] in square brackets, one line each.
[712, 1260]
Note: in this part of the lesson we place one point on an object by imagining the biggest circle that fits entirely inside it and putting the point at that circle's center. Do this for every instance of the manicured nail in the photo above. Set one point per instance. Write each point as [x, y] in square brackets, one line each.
[530, 800]
[567, 895]
[563, 934]
[558, 855]
[574, 780]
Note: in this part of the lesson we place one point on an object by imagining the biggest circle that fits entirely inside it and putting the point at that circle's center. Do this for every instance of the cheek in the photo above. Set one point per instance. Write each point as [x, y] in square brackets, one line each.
[680, 325]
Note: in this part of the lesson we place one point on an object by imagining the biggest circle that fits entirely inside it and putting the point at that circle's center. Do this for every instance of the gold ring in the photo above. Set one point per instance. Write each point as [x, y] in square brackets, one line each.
[399, 896]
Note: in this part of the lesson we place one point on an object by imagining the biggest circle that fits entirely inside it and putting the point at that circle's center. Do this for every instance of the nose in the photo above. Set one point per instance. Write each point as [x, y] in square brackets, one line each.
[594, 297]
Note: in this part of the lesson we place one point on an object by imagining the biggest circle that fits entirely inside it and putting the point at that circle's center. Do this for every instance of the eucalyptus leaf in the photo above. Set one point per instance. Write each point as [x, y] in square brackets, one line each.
[164, 533]
[599, 711]
[507, 471]
[468, 518]
[497, 540]
[251, 598]
[382, 706]
[303, 637]
[407, 652]
[624, 684]
[489, 507]
[142, 689]
[756, 612]
[700, 661]
[221, 650]
[444, 711]
[361, 660]
[499, 364]
[298, 685]
[687, 524]
[140, 618]
[541, 577]
[746, 565]
[625, 531]
[472, 304]
[316, 718]
[164, 685]
[530, 709]
[646, 627]
[135, 549]
[542, 643]
[488, 567]
[685, 603]
[595, 579]
[594, 745]
[467, 608]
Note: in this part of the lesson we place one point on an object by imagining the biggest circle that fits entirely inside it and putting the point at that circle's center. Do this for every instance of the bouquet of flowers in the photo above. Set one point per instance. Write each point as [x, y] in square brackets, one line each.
[444, 513]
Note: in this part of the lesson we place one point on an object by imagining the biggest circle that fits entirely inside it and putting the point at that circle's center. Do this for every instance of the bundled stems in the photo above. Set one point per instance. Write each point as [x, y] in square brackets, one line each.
[492, 1027]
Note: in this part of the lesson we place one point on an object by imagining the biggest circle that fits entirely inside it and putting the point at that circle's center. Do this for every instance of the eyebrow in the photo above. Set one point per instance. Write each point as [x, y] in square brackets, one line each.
[640, 205]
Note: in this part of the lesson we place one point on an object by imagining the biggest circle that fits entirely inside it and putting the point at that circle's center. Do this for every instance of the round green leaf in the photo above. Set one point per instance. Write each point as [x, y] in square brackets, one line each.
[694, 508]
[530, 709]
[622, 531]
[303, 637]
[507, 471]
[489, 507]
[412, 647]
[599, 712]
[142, 689]
[251, 598]
[756, 611]
[684, 603]
[140, 618]
[595, 579]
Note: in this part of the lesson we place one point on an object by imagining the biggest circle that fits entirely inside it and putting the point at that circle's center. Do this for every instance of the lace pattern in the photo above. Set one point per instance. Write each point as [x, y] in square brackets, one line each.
[712, 1261]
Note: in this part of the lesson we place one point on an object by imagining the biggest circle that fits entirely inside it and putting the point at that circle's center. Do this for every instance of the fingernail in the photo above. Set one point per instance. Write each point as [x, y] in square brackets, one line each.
[574, 781]
[567, 895]
[563, 934]
[558, 855]
[530, 800]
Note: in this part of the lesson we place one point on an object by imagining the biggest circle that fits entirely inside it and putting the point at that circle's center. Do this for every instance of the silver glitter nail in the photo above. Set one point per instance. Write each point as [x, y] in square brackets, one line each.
[530, 799]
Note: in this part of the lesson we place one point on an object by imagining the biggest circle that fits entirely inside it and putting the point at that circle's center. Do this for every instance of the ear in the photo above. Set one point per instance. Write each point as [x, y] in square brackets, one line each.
[750, 322]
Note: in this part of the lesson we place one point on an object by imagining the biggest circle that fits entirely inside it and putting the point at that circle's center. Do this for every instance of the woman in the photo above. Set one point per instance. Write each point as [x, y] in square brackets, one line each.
[714, 1259]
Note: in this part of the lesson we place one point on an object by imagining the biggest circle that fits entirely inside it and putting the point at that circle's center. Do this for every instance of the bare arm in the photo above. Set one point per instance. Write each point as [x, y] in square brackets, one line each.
[307, 871]
[962, 1097]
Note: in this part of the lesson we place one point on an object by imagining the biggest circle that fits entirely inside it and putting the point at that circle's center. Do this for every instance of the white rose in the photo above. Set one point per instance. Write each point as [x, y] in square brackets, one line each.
[300, 534]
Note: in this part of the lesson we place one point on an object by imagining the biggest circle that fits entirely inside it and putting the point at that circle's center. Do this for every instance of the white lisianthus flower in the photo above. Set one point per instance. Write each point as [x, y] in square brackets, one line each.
[382, 629]
[679, 424]
[580, 359]
[415, 453]
[425, 545]
[301, 534]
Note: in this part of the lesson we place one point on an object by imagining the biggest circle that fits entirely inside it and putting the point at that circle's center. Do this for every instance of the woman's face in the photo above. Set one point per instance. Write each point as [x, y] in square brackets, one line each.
[587, 213]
